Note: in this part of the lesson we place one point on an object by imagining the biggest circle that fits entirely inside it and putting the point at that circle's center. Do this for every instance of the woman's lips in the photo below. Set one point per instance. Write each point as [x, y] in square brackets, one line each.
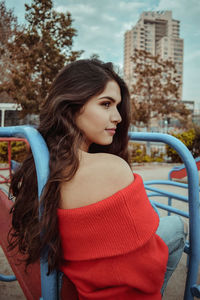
[111, 131]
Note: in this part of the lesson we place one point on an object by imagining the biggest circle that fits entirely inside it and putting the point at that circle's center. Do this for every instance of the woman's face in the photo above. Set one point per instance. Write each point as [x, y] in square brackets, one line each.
[99, 117]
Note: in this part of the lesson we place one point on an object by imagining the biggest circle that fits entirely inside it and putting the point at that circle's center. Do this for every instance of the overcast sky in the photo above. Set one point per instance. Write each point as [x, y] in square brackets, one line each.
[101, 25]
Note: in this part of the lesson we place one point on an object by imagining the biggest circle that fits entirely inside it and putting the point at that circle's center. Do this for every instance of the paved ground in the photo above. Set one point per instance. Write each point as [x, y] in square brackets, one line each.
[175, 288]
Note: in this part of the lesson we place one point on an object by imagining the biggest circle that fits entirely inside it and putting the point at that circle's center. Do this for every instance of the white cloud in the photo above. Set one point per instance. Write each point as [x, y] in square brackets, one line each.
[76, 9]
[108, 18]
[94, 29]
[129, 6]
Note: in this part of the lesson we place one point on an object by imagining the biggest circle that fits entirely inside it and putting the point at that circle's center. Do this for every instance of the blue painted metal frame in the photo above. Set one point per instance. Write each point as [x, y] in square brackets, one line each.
[167, 194]
[7, 278]
[40, 152]
[177, 168]
[41, 156]
[191, 288]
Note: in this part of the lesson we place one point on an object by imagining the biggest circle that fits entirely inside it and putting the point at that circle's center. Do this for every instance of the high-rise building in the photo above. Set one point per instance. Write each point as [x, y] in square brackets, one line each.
[157, 33]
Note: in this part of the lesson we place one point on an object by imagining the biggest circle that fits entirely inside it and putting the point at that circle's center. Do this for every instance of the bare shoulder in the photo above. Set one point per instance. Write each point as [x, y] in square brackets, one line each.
[100, 175]
[114, 168]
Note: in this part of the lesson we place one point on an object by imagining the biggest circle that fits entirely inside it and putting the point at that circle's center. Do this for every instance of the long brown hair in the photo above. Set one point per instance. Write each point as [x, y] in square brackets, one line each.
[71, 89]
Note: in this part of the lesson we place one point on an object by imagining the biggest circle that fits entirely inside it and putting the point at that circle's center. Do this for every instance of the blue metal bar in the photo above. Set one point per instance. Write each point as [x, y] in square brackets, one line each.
[156, 195]
[166, 193]
[170, 204]
[171, 209]
[7, 278]
[193, 186]
[181, 167]
[167, 182]
[41, 158]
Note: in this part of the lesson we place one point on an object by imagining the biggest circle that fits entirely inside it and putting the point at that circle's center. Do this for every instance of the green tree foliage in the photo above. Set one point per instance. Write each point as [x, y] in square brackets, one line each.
[19, 151]
[138, 154]
[40, 50]
[155, 90]
[8, 27]
[191, 138]
[196, 142]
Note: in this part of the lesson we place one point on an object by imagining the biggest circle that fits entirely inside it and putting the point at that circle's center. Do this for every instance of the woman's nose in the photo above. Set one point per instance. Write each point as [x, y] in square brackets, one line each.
[116, 117]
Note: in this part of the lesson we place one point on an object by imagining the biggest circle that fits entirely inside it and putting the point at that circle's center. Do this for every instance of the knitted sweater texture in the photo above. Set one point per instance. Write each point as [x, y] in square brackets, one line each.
[110, 248]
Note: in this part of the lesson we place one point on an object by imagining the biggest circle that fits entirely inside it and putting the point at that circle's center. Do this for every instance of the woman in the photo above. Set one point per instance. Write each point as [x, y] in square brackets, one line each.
[97, 220]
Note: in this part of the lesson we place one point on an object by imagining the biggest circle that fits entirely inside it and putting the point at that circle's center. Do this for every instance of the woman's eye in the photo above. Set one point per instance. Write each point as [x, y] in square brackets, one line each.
[106, 104]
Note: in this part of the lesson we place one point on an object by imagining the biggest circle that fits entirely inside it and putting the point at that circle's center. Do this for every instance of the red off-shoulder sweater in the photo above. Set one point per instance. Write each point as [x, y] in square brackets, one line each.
[110, 248]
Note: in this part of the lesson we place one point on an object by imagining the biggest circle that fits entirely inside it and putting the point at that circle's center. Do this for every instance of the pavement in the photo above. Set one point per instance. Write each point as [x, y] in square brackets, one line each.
[175, 288]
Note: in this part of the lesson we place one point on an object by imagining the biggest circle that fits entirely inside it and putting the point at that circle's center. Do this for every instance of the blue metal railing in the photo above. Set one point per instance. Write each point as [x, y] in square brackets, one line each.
[191, 288]
[41, 157]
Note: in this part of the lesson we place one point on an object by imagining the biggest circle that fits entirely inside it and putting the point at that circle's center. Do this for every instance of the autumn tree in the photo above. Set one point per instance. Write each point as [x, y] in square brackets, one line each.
[8, 28]
[95, 56]
[40, 49]
[155, 92]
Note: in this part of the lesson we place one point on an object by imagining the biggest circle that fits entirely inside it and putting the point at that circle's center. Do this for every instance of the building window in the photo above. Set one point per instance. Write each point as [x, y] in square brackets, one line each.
[12, 117]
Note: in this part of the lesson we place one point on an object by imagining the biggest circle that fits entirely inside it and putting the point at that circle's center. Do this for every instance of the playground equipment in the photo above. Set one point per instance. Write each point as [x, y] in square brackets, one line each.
[9, 168]
[179, 172]
[50, 284]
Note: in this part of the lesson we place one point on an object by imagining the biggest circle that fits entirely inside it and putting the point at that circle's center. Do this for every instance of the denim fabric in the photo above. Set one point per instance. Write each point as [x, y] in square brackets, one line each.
[171, 231]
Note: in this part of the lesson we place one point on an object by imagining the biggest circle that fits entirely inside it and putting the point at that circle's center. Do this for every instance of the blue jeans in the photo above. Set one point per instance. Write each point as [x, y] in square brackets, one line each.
[171, 231]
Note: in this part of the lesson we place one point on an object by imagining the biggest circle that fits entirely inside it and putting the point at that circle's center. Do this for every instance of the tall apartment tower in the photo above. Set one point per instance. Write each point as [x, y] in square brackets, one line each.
[157, 33]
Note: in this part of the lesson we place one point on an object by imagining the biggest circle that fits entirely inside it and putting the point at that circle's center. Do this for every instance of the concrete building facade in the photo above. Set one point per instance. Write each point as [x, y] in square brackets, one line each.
[159, 34]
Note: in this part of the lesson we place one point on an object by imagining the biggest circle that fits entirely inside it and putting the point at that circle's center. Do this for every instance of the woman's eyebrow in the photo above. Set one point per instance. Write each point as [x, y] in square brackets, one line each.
[110, 98]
